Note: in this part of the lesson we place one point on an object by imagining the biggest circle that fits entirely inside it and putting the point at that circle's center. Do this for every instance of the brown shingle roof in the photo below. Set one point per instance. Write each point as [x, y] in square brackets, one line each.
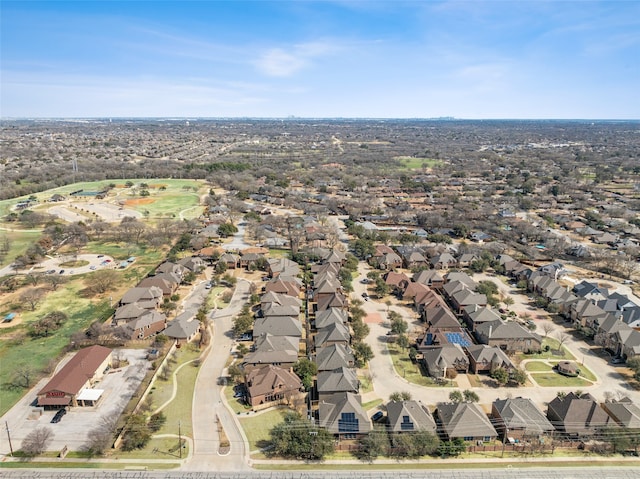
[77, 371]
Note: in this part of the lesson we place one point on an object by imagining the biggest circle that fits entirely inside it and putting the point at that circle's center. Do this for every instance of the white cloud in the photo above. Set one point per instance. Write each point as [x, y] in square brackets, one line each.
[278, 62]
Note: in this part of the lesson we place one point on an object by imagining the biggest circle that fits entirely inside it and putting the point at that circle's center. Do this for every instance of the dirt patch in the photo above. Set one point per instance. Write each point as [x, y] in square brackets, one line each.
[139, 201]
[374, 318]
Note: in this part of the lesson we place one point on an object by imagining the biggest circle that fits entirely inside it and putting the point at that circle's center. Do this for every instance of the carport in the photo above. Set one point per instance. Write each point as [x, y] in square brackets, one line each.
[89, 397]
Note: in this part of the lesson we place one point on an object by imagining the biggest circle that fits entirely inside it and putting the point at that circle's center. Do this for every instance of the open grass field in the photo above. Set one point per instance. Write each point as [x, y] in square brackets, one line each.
[554, 353]
[258, 426]
[19, 241]
[412, 163]
[17, 350]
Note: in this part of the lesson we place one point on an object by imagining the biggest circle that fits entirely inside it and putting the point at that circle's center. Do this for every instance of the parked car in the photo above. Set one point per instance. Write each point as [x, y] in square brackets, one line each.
[61, 271]
[208, 285]
[617, 360]
[92, 267]
[377, 416]
[365, 280]
[58, 417]
[51, 271]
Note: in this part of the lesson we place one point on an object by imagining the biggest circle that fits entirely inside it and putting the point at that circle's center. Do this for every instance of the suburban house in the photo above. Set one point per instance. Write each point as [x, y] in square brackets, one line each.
[409, 416]
[342, 379]
[333, 357]
[167, 287]
[284, 285]
[146, 325]
[342, 415]
[271, 385]
[127, 313]
[439, 360]
[430, 277]
[443, 261]
[476, 315]
[72, 385]
[508, 336]
[519, 418]
[335, 333]
[464, 420]
[184, 328]
[484, 359]
[577, 416]
[624, 412]
[282, 267]
[330, 316]
[230, 260]
[147, 298]
[276, 350]
[278, 326]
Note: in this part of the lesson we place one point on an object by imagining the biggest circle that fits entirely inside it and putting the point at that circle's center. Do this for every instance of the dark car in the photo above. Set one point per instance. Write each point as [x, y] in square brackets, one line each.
[377, 416]
[617, 360]
[58, 417]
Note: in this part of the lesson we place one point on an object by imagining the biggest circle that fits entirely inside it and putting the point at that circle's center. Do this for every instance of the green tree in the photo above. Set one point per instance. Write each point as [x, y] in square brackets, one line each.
[398, 325]
[452, 448]
[372, 445]
[227, 229]
[501, 375]
[363, 353]
[470, 396]
[243, 323]
[382, 288]
[403, 341]
[518, 377]
[137, 433]
[297, 438]
[455, 396]
[306, 370]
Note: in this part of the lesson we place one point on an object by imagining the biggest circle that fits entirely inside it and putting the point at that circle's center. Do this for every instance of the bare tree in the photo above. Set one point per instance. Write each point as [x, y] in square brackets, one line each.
[100, 438]
[102, 281]
[37, 441]
[54, 280]
[23, 376]
[32, 297]
[547, 328]
[562, 338]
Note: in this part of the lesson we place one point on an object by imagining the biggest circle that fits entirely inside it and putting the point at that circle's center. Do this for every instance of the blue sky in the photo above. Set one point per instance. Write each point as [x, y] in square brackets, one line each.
[386, 59]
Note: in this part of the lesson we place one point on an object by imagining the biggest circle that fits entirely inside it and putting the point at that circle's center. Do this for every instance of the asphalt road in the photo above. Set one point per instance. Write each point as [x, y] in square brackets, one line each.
[604, 472]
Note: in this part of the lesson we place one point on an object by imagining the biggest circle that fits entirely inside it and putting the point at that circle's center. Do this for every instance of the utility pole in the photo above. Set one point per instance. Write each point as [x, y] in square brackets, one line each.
[179, 440]
[6, 424]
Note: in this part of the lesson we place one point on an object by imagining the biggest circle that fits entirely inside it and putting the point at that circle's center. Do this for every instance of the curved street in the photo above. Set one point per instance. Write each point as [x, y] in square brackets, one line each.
[386, 381]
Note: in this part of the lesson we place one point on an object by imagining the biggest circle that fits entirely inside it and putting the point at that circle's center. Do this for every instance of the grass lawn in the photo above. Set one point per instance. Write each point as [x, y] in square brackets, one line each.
[19, 242]
[279, 253]
[407, 369]
[553, 379]
[162, 390]
[235, 405]
[156, 448]
[366, 385]
[538, 366]
[179, 410]
[258, 427]
[372, 404]
[551, 354]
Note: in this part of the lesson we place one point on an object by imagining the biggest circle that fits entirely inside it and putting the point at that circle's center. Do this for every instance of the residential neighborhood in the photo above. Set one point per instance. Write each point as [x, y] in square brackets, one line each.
[381, 331]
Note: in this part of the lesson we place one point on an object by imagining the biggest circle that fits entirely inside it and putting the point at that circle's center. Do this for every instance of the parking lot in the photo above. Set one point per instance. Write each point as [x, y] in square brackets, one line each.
[118, 385]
